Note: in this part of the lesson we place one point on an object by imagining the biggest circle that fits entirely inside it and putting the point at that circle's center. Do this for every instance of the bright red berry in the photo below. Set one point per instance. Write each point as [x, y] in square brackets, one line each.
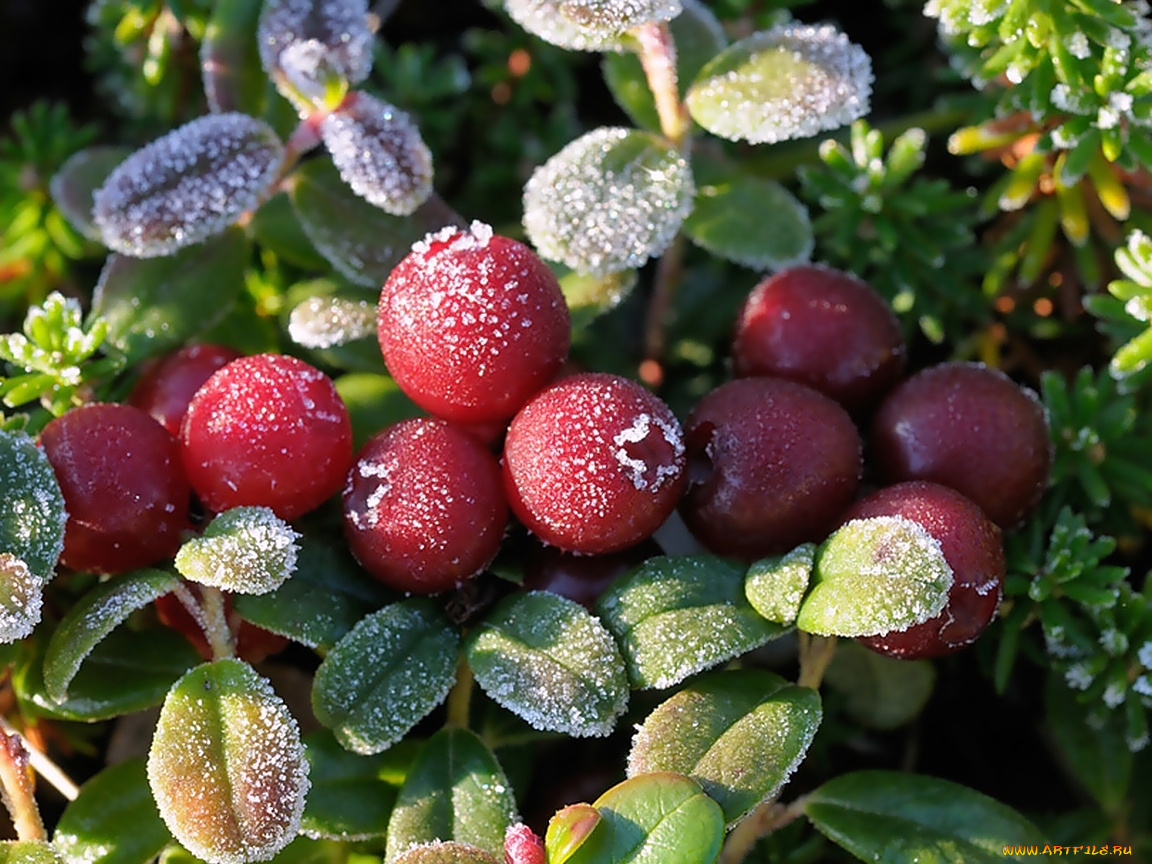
[594, 463]
[471, 324]
[123, 485]
[168, 385]
[424, 509]
[267, 430]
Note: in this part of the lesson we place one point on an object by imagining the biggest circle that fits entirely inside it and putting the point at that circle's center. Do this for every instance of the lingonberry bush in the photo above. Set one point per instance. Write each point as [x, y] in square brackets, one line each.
[423, 443]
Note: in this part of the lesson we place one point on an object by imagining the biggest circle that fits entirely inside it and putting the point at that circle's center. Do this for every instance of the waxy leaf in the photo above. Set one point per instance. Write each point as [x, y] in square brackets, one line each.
[230, 59]
[879, 692]
[545, 659]
[32, 512]
[567, 830]
[894, 816]
[227, 767]
[187, 186]
[21, 599]
[608, 201]
[247, 550]
[327, 322]
[589, 297]
[28, 852]
[775, 586]
[788, 82]
[588, 25]
[277, 228]
[448, 852]
[338, 27]
[74, 186]
[739, 734]
[676, 616]
[388, 673]
[455, 790]
[92, 618]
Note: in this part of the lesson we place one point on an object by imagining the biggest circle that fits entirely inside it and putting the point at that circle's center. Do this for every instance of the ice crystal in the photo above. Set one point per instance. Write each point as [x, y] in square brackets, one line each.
[21, 598]
[325, 322]
[340, 27]
[249, 550]
[588, 25]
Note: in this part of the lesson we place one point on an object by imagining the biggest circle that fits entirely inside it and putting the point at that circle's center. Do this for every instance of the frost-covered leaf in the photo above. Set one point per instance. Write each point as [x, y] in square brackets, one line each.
[246, 550]
[230, 59]
[874, 576]
[740, 734]
[590, 296]
[447, 852]
[588, 25]
[788, 82]
[775, 586]
[28, 852]
[455, 790]
[379, 153]
[32, 514]
[326, 322]
[74, 186]
[545, 659]
[608, 201]
[188, 185]
[339, 27]
[226, 765]
[879, 692]
[21, 598]
[675, 616]
[93, 617]
[388, 673]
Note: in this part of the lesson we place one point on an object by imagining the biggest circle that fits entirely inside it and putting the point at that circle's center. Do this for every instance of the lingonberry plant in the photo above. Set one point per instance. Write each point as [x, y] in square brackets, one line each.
[467, 452]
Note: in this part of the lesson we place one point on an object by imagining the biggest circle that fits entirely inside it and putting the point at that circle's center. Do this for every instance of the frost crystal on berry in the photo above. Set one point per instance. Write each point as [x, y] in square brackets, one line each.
[340, 27]
[588, 25]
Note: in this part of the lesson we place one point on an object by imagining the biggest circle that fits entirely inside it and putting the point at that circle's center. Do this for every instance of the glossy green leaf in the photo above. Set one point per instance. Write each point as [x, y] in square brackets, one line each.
[74, 185]
[92, 618]
[92, 827]
[28, 852]
[879, 692]
[568, 829]
[775, 586]
[656, 818]
[545, 659]
[374, 402]
[893, 817]
[227, 766]
[153, 305]
[230, 59]
[676, 616]
[32, 515]
[21, 599]
[246, 550]
[386, 674]
[455, 790]
[448, 852]
[276, 227]
[739, 734]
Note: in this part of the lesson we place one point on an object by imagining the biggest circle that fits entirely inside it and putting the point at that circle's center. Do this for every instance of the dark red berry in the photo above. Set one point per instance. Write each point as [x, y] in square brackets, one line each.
[168, 385]
[972, 547]
[424, 509]
[772, 464]
[270, 431]
[123, 485]
[823, 328]
[471, 324]
[970, 427]
[582, 578]
[252, 643]
[594, 463]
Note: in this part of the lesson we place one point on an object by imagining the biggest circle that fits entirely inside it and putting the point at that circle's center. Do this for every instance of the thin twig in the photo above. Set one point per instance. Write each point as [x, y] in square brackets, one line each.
[44, 766]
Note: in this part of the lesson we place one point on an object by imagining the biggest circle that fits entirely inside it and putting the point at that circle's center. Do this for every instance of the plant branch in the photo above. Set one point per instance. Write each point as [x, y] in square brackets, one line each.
[658, 57]
[762, 821]
[460, 696]
[667, 277]
[816, 653]
[44, 766]
[18, 788]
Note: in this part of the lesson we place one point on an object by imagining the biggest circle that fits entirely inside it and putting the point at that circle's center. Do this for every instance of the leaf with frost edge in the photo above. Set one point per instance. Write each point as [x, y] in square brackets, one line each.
[342, 31]
[32, 513]
[249, 550]
[561, 23]
[775, 586]
[21, 598]
[327, 322]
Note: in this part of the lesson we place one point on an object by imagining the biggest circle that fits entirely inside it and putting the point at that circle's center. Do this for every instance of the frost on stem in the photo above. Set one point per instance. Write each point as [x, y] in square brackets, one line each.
[188, 185]
[339, 29]
[588, 25]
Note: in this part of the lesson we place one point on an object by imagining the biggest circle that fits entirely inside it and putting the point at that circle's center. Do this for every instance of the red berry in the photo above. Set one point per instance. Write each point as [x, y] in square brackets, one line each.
[168, 385]
[823, 328]
[471, 324]
[123, 485]
[582, 578]
[423, 506]
[270, 431]
[252, 643]
[970, 427]
[972, 547]
[594, 463]
[772, 464]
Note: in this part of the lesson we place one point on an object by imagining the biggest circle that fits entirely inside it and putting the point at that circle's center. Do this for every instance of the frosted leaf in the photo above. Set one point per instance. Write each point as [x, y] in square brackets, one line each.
[29, 852]
[445, 852]
[874, 576]
[188, 185]
[326, 322]
[608, 201]
[545, 659]
[21, 597]
[339, 27]
[788, 82]
[226, 766]
[75, 184]
[588, 25]
[379, 153]
[249, 550]
[775, 586]
[32, 515]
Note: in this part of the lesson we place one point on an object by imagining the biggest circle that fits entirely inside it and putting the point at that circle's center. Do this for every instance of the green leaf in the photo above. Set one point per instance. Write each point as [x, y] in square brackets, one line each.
[21, 599]
[880, 692]
[456, 790]
[74, 185]
[92, 618]
[153, 305]
[740, 734]
[246, 550]
[775, 586]
[276, 227]
[28, 852]
[568, 829]
[92, 827]
[230, 59]
[873, 576]
[890, 817]
[588, 297]
[656, 818]
[676, 616]
[545, 659]
[445, 853]
[226, 766]
[302, 850]
[374, 402]
[32, 515]
[389, 672]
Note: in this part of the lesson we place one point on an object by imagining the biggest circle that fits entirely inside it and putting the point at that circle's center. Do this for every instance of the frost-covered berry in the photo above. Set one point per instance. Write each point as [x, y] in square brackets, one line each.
[123, 484]
[471, 324]
[594, 463]
[424, 509]
[168, 385]
[268, 430]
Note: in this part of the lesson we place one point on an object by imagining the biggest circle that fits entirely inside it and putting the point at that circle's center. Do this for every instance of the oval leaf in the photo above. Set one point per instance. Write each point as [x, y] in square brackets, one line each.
[326, 322]
[879, 692]
[788, 82]
[589, 297]
[775, 586]
[28, 852]
[389, 672]
[230, 59]
[188, 185]
[608, 201]
[739, 734]
[892, 816]
[587, 25]
[676, 616]
[21, 598]
[92, 618]
[247, 550]
[74, 186]
[227, 767]
[277, 228]
[456, 790]
[568, 829]
[545, 659]
[32, 514]
[338, 27]
[445, 853]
